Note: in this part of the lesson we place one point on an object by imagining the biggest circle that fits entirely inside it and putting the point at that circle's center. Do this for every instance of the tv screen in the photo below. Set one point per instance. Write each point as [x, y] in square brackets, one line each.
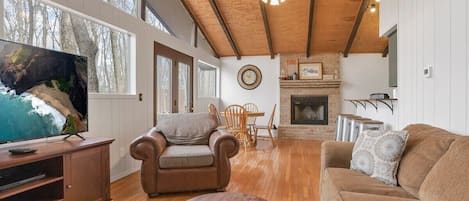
[43, 93]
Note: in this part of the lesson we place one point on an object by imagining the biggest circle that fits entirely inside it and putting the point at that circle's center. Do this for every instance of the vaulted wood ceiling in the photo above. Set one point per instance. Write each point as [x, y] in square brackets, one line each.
[240, 26]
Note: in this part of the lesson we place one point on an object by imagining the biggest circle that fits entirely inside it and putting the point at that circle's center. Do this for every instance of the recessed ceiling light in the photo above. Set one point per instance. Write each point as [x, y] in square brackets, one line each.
[373, 8]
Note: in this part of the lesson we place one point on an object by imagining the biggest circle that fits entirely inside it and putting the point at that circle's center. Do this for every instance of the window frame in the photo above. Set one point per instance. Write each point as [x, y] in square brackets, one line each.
[132, 71]
[145, 4]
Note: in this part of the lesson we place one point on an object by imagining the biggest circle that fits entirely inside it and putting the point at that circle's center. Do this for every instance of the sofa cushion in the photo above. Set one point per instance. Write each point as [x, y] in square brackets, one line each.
[352, 196]
[336, 180]
[186, 156]
[425, 146]
[187, 128]
[448, 180]
[377, 153]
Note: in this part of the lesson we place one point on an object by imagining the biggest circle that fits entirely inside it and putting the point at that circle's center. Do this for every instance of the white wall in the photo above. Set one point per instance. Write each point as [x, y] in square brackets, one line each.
[264, 96]
[388, 12]
[123, 117]
[434, 32]
[363, 74]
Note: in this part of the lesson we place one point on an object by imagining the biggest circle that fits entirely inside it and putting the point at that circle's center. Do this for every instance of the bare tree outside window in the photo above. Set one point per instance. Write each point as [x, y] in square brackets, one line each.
[207, 82]
[128, 6]
[108, 50]
[152, 19]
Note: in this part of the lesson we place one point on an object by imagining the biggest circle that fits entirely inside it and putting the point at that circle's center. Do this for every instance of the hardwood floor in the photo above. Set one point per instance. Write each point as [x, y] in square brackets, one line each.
[290, 171]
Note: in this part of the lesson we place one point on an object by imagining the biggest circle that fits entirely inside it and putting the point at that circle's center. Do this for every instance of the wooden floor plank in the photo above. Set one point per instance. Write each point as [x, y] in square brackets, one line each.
[290, 171]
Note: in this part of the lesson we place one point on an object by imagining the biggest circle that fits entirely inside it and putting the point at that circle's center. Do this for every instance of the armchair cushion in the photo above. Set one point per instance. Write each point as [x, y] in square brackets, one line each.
[186, 156]
[187, 128]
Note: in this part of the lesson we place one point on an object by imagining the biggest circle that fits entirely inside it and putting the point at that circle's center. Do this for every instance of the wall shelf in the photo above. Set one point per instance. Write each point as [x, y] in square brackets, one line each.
[389, 103]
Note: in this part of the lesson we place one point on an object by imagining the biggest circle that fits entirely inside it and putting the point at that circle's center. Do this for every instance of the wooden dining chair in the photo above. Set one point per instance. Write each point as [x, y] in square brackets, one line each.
[212, 109]
[268, 127]
[235, 118]
[251, 121]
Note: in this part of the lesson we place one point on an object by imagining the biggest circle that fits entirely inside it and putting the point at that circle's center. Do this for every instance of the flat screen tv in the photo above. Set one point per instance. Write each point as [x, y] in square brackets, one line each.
[43, 93]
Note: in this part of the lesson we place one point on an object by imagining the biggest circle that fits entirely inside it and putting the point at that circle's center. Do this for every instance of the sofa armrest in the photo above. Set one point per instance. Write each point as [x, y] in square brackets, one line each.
[148, 148]
[223, 146]
[336, 154]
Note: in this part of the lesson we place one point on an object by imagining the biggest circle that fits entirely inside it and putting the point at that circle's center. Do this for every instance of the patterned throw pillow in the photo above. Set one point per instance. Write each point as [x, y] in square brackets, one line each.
[377, 154]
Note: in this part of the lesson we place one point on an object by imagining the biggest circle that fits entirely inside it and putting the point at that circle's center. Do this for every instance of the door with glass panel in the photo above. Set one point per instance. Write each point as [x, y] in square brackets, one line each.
[173, 83]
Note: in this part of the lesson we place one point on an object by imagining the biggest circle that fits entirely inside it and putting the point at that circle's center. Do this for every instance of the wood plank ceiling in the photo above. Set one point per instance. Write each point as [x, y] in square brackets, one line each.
[332, 24]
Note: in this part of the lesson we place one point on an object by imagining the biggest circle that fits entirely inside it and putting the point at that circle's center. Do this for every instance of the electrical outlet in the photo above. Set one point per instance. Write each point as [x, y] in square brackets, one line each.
[427, 71]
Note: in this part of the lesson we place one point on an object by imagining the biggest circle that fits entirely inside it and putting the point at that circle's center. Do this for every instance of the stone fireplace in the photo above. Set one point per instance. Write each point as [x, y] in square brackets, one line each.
[308, 108]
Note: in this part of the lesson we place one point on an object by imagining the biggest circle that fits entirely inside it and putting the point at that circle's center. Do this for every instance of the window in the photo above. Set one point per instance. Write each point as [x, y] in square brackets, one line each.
[207, 82]
[154, 20]
[173, 86]
[128, 6]
[108, 50]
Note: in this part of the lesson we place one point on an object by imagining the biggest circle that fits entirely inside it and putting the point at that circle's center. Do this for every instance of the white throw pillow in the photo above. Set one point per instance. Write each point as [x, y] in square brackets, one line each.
[377, 154]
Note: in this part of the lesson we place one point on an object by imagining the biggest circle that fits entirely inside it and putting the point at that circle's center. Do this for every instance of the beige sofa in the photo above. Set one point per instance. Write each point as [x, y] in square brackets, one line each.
[434, 167]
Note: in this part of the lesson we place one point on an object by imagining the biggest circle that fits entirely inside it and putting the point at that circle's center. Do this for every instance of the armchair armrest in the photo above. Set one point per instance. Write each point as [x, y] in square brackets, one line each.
[148, 148]
[222, 142]
[223, 146]
[336, 154]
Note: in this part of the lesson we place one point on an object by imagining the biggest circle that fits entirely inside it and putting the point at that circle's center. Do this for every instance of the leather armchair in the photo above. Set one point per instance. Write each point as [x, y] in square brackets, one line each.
[149, 148]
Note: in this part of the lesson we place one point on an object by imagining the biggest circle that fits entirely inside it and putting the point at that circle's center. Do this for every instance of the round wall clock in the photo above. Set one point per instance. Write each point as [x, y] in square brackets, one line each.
[249, 77]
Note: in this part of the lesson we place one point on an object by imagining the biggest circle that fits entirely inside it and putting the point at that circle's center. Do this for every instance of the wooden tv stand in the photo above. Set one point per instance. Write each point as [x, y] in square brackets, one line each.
[75, 170]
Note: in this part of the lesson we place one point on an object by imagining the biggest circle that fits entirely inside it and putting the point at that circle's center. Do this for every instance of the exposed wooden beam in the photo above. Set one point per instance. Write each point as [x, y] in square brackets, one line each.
[196, 32]
[225, 28]
[267, 29]
[386, 51]
[202, 30]
[358, 21]
[310, 27]
[143, 5]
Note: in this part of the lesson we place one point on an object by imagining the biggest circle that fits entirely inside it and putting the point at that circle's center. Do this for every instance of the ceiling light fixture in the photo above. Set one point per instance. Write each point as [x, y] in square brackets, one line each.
[273, 2]
[377, 1]
[373, 8]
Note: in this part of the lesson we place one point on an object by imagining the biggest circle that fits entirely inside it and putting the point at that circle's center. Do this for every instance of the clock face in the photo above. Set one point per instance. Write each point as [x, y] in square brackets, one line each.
[249, 77]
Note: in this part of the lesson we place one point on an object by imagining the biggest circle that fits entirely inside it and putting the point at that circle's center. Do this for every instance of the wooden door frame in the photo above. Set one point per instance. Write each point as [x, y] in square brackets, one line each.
[176, 57]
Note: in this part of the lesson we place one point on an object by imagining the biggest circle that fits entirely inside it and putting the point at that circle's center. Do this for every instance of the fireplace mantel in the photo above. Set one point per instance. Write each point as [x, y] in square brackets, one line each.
[310, 83]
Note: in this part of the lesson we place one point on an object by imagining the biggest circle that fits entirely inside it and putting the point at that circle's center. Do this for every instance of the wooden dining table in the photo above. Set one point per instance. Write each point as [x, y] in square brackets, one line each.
[250, 114]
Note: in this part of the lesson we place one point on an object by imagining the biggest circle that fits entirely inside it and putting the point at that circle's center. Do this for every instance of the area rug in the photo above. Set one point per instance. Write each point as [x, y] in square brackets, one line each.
[227, 196]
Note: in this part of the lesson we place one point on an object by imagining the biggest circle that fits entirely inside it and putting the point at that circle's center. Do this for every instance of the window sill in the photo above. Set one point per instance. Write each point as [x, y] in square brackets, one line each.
[96, 96]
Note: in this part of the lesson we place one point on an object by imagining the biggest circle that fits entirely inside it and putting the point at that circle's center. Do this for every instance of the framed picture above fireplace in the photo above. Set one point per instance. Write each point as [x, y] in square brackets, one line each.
[310, 71]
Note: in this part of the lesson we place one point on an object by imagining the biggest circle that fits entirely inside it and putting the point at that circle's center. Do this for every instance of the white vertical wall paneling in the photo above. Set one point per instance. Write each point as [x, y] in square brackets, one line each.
[402, 57]
[467, 71]
[458, 66]
[428, 59]
[419, 60]
[442, 67]
[434, 32]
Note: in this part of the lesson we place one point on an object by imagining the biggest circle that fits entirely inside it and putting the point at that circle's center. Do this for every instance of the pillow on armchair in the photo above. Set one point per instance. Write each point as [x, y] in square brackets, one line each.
[187, 128]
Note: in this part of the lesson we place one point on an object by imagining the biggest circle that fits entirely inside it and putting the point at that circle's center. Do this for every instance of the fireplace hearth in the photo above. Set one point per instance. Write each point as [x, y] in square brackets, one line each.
[309, 110]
